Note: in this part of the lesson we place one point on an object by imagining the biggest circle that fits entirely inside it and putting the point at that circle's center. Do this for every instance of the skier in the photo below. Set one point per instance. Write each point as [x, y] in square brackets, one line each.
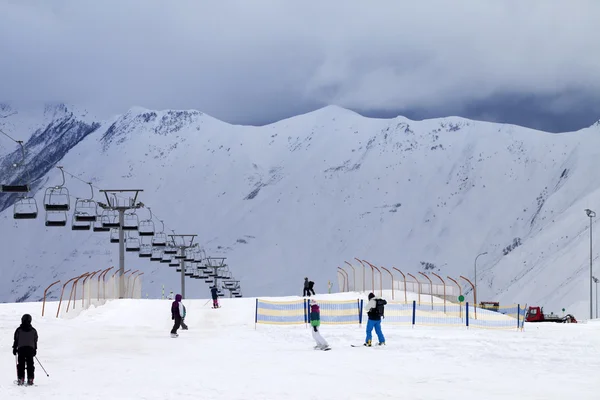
[177, 314]
[25, 344]
[311, 284]
[315, 322]
[170, 296]
[375, 312]
[305, 292]
[214, 292]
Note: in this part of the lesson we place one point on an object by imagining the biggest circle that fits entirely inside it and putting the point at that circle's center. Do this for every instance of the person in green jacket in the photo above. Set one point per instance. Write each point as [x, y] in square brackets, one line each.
[315, 322]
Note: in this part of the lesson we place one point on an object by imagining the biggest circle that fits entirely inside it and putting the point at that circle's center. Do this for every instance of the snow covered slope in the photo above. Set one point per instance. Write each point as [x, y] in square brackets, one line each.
[123, 351]
[298, 197]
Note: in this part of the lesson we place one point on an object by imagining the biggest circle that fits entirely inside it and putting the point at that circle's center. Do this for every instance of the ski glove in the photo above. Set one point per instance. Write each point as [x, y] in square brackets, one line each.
[14, 352]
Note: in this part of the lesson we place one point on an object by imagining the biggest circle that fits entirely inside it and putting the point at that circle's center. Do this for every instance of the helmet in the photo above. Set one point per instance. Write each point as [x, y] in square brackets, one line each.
[26, 319]
[371, 295]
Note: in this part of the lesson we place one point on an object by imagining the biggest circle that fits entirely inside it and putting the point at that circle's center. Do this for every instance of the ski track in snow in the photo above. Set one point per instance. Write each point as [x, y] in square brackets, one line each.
[123, 351]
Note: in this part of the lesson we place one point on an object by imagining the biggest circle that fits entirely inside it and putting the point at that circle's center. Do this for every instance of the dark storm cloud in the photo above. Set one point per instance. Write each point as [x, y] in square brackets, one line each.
[258, 61]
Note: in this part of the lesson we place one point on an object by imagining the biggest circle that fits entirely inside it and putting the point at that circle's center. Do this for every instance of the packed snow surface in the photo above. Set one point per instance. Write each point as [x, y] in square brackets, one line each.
[123, 350]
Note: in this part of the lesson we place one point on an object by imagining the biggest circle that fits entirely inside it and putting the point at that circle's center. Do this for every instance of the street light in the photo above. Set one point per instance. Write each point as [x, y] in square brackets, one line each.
[596, 282]
[591, 214]
[475, 294]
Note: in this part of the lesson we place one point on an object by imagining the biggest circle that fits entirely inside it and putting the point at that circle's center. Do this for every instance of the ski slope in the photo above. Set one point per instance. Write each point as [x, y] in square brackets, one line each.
[122, 350]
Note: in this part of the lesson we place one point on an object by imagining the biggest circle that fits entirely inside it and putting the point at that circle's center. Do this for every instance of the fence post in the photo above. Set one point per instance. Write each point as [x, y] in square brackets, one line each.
[467, 313]
[518, 316]
[255, 313]
[360, 312]
[414, 313]
[46, 291]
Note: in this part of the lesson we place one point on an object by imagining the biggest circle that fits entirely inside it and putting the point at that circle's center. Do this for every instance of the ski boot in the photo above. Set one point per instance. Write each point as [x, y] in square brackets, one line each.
[368, 343]
[174, 335]
[381, 344]
[29, 382]
[20, 382]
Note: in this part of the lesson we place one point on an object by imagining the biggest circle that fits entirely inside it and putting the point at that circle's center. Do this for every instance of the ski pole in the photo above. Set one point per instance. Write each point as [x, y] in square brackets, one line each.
[42, 366]
[206, 303]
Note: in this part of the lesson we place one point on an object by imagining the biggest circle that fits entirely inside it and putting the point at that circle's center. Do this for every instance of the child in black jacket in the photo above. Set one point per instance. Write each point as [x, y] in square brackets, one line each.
[25, 345]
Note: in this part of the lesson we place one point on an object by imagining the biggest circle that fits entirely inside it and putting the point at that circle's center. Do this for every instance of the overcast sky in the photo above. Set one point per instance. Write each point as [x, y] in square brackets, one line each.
[533, 63]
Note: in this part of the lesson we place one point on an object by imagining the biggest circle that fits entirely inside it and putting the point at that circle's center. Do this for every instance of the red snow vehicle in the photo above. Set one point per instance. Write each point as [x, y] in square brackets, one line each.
[536, 314]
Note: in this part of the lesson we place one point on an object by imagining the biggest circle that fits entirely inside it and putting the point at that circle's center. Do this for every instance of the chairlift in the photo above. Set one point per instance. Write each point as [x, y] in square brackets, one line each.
[160, 238]
[180, 255]
[166, 259]
[17, 187]
[132, 243]
[209, 280]
[156, 254]
[98, 227]
[145, 251]
[190, 256]
[131, 222]
[170, 250]
[110, 219]
[114, 235]
[174, 263]
[25, 208]
[146, 227]
[56, 218]
[189, 272]
[197, 256]
[80, 226]
[86, 210]
[57, 198]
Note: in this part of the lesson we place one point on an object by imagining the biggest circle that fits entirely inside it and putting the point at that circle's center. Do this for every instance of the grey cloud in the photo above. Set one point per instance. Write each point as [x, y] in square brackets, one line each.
[257, 61]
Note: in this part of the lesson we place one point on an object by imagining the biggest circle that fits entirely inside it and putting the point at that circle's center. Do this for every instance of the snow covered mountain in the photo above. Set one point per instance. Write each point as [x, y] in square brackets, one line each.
[298, 197]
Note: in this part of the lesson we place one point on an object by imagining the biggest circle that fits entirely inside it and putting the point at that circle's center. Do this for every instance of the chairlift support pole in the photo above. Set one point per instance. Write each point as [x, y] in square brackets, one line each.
[182, 248]
[114, 205]
[216, 267]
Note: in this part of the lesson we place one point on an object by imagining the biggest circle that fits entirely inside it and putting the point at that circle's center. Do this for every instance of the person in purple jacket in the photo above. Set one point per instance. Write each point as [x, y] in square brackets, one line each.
[177, 314]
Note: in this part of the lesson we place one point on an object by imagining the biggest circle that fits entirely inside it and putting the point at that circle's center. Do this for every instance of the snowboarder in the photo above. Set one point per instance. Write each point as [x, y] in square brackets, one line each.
[305, 292]
[25, 345]
[214, 292]
[315, 322]
[171, 296]
[177, 314]
[375, 308]
[311, 284]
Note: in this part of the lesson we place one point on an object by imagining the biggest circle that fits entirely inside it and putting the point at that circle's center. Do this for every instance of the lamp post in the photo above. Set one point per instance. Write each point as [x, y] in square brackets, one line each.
[591, 214]
[474, 294]
[596, 282]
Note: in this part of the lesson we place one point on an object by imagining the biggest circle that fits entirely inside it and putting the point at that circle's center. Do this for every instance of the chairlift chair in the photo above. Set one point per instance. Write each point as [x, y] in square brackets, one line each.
[160, 238]
[25, 208]
[180, 255]
[146, 227]
[80, 226]
[17, 187]
[174, 263]
[85, 210]
[156, 254]
[132, 243]
[98, 227]
[166, 259]
[110, 219]
[114, 235]
[145, 251]
[170, 250]
[131, 222]
[190, 256]
[57, 198]
[189, 272]
[209, 280]
[56, 218]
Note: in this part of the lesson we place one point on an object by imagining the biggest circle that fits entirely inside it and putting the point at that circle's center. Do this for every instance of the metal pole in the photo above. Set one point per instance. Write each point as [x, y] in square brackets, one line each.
[481, 254]
[591, 280]
[121, 254]
[182, 264]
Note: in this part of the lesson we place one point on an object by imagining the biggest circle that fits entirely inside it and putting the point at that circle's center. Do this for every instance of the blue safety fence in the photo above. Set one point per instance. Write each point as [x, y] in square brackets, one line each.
[342, 312]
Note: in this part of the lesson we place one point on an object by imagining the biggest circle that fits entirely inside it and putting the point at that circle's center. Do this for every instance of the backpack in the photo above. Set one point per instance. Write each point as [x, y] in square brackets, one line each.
[379, 306]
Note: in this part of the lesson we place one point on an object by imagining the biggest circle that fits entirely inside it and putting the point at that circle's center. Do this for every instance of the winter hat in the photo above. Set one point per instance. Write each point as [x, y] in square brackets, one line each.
[26, 319]
[178, 297]
[371, 295]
